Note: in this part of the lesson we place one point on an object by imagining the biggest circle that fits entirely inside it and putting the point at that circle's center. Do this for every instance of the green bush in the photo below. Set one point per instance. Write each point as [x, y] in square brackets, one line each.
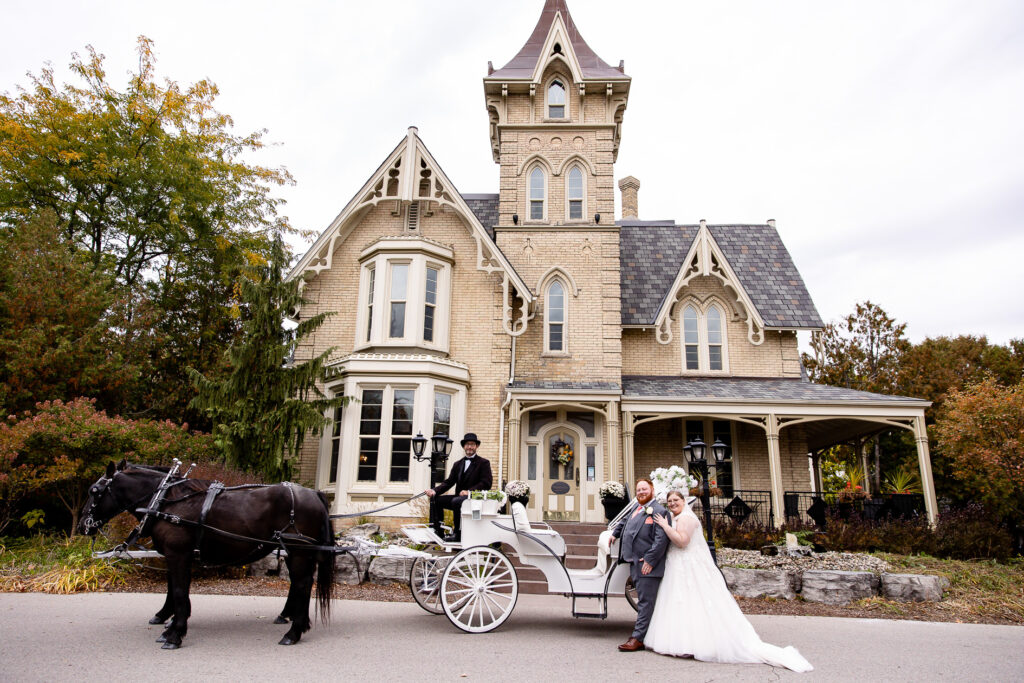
[746, 536]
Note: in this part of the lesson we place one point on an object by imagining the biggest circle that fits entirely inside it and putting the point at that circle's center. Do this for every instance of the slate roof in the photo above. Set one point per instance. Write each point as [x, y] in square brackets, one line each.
[485, 207]
[653, 251]
[564, 386]
[764, 389]
[523, 64]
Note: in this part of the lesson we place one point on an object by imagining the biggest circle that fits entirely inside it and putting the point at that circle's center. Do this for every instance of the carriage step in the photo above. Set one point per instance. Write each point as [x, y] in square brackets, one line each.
[602, 602]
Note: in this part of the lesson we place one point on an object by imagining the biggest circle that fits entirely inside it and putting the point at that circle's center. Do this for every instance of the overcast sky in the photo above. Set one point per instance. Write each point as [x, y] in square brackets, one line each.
[884, 136]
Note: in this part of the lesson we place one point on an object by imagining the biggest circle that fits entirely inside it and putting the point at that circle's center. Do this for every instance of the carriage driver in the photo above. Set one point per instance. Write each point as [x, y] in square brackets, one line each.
[471, 473]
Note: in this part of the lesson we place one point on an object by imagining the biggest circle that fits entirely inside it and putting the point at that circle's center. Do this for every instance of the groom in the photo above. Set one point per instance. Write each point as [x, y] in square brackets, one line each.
[643, 545]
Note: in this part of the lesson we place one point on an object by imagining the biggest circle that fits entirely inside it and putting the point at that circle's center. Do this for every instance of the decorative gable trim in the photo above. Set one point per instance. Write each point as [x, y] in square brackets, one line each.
[705, 258]
[560, 35]
[411, 175]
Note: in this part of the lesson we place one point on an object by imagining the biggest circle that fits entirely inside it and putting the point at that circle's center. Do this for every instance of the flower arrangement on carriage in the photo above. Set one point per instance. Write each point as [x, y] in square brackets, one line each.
[562, 452]
[612, 489]
[518, 491]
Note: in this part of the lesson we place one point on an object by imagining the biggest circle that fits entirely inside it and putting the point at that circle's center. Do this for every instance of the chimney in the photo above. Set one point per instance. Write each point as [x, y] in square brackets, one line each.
[629, 187]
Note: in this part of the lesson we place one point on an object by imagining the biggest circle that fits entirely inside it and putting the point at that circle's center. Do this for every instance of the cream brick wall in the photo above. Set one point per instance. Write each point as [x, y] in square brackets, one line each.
[777, 356]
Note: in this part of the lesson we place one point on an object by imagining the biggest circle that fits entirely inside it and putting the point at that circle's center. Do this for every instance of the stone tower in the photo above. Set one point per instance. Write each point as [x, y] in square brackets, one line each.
[556, 114]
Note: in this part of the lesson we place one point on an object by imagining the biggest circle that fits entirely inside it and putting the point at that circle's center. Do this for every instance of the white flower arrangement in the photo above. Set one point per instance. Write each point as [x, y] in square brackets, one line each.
[673, 478]
[517, 489]
[612, 489]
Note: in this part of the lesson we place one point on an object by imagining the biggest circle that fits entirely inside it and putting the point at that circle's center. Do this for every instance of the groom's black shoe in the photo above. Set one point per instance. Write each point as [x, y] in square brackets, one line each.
[631, 645]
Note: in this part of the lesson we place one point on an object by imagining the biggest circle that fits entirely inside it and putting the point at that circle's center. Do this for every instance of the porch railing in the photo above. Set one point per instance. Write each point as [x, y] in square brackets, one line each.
[808, 507]
[744, 506]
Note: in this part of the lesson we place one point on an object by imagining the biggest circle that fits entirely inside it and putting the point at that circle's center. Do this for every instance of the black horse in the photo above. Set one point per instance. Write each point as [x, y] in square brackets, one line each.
[236, 526]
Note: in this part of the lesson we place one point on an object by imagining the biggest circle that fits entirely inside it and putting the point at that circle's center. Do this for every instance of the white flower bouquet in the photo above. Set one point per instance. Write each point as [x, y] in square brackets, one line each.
[673, 478]
[517, 489]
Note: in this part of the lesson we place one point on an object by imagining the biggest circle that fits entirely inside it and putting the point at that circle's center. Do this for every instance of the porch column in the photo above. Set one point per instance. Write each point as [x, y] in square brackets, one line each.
[514, 436]
[775, 469]
[924, 462]
[627, 450]
[612, 436]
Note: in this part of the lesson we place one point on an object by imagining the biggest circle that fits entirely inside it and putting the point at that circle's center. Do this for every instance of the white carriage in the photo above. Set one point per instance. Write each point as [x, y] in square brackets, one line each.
[475, 584]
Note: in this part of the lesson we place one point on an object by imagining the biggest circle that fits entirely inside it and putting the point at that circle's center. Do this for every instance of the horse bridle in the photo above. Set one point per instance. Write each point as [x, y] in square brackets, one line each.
[98, 490]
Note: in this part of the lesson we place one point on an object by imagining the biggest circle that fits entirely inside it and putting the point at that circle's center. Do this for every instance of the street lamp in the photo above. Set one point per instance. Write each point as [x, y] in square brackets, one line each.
[440, 449]
[695, 451]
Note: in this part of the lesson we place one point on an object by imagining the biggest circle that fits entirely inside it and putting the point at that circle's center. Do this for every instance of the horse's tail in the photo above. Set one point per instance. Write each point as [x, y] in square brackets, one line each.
[325, 565]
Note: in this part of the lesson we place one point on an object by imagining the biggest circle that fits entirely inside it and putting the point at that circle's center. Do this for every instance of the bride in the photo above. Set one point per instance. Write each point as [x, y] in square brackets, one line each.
[695, 615]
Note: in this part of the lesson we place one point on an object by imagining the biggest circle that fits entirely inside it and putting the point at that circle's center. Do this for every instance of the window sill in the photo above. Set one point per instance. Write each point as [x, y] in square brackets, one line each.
[564, 119]
[555, 354]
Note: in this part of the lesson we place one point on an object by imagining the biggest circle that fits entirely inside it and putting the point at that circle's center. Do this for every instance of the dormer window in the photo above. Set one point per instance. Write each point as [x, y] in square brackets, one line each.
[703, 336]
[556, 100]
[538, 193]
[405, 288]
[574, 193]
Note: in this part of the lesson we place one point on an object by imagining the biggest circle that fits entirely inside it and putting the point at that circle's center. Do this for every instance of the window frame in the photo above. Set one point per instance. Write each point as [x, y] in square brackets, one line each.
[564, 322]
[533, 169]
[560, 82]
[703, 343]
[385, 436]
[582, 199]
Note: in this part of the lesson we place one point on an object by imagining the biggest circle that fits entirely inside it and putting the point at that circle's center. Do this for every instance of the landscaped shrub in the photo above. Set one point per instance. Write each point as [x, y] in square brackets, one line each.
[746, 536]
[972, 533]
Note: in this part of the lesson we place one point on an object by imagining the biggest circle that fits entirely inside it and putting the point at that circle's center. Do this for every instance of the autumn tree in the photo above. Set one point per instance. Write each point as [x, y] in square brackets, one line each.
[264, 408]
[55, 323]
[150, 182]
[981, 430]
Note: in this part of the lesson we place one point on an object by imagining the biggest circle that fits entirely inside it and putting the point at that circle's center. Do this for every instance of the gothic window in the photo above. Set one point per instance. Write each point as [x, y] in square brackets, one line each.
[704, 348]
[538, 193]
[556, 100]
[574, 193]
[554, 318]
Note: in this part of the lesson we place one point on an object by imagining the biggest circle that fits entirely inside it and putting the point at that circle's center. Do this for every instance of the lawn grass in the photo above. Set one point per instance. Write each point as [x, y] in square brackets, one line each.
[983, 588]
[56, 564]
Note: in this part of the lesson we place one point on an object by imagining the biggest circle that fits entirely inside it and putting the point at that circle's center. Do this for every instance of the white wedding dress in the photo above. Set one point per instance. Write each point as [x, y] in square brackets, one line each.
[696, 615]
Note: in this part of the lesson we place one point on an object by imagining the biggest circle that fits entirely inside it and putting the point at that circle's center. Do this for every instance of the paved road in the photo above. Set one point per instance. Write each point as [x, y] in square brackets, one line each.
[99, 636]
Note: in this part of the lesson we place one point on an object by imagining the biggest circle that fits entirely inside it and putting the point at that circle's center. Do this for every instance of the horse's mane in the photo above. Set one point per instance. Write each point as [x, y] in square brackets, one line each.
[179, 482]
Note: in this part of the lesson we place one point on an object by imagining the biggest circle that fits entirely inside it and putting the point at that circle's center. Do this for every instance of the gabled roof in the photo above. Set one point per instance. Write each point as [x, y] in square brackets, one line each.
[653, 253]
[485, 208]
[524, 64]
[409, 174]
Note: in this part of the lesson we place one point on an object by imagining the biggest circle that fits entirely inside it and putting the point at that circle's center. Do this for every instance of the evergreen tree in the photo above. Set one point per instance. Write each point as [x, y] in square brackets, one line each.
[265, 405]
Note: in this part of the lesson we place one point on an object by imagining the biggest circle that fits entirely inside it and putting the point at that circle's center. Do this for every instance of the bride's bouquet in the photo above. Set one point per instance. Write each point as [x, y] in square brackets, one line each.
[669, 479]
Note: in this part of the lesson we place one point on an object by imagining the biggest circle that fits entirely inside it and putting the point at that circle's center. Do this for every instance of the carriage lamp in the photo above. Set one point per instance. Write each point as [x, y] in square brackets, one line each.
[695, 452]
[419, 442]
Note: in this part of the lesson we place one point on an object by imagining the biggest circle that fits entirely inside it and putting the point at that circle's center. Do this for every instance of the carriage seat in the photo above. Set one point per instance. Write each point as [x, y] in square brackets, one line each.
[603, 550]
[551, 538]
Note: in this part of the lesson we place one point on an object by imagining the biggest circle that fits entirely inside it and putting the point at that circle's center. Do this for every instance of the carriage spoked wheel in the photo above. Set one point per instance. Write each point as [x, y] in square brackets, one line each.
[479, 589]
[425, 582]
[631, 596]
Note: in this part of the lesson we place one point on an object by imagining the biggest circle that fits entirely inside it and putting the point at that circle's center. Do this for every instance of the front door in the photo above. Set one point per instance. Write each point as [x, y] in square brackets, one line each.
[562, 476]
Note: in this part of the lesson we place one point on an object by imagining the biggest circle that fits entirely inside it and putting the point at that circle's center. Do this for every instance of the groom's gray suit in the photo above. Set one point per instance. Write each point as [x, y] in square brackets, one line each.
[641, 539]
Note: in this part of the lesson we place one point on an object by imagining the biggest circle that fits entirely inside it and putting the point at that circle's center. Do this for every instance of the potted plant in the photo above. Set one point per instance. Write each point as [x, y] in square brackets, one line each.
[518, 491]
[613, 498]
[903, 485]
[492, 500]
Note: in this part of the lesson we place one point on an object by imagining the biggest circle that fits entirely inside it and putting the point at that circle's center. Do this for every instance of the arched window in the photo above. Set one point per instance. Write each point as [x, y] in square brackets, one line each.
[704, 347]
[691, 338]
[554, 318]
[538, 192]
[574, 193]
[556, 100]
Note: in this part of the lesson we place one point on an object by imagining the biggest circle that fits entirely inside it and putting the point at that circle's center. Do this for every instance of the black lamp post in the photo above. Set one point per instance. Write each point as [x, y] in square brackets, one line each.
[440, 449]
[695, 452]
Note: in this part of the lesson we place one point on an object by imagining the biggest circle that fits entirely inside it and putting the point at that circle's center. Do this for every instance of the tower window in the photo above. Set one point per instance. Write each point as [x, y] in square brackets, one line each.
[574, 193]
[555, 317]
[556, 100]
[537, 194]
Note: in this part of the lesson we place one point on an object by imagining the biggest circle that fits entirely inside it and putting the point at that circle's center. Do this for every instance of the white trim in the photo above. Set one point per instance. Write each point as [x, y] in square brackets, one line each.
[701, 308]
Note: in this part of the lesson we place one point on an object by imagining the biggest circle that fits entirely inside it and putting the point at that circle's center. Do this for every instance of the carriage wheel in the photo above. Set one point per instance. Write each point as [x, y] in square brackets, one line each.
[425, 582]
[479, 589]
[631, 596]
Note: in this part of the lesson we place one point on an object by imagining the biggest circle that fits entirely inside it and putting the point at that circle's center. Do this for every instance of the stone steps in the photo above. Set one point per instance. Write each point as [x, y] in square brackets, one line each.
[580, 553]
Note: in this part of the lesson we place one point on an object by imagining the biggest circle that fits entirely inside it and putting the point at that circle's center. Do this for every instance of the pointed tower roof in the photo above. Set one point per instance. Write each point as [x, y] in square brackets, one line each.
[524, 64]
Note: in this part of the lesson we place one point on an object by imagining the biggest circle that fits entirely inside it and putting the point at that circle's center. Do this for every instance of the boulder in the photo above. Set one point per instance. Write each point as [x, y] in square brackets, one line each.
[769, 550]
[350, 569]
[913, 587]
[761, 583]
[269, 566]
[391, 569]
[797, 551]
[361, 531]
[837, 588]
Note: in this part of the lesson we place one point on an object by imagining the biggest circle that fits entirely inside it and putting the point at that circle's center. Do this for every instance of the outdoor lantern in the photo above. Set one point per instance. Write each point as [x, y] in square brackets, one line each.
[419, 442]
[697, 448]
[441, 444]
[718, 449]
[688, 453]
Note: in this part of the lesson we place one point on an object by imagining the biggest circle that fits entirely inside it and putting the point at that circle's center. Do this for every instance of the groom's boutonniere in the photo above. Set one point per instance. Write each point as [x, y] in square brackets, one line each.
[648, 510]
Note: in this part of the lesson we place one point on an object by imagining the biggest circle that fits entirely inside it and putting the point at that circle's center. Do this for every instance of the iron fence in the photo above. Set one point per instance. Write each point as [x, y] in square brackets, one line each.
[745, 506]
[808, 507]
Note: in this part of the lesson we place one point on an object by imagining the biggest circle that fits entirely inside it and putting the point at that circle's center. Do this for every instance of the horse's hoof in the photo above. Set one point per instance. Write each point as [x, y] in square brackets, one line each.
[157, 620]
[161, 638]
[280, 620]
[170, 646]
[286, 641]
